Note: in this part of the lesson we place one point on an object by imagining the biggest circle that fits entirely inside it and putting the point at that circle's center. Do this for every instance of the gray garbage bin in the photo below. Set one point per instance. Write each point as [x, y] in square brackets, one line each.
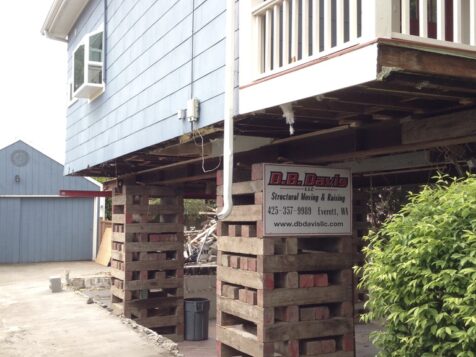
[196, 319]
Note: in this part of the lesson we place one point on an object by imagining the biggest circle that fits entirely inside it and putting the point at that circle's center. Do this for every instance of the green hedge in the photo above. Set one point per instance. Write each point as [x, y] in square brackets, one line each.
[421, 274]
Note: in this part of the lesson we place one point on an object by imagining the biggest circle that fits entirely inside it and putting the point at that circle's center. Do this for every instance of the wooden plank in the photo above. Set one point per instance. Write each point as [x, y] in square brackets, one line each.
[104, 254]
[137, 305]
[245, 213]
[284, 331]
[117, 292]
[440, 128]
[154, 246]
[159, 321]
[119, 200]
[168, 283]
[240, 340]
[305, 262]
[117, 256]
[119, 237]
[155, 265]
[119, 274]
[156, 191]
[428, 63]
[241, 309]
[154, 228]
[244, 245]
[243, 188]
[324, 295]
[335, 354]
[249, 279]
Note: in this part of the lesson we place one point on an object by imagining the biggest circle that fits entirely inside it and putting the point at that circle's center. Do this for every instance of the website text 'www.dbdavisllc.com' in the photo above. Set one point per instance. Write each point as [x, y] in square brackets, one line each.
[309, 224]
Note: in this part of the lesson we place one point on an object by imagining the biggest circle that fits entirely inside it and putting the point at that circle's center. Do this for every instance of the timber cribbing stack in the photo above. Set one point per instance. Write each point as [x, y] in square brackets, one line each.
[147, 257]
[280, 296]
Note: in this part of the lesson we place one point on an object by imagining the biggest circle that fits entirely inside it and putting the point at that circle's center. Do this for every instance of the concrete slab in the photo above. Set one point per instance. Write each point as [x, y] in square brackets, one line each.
[36, 322]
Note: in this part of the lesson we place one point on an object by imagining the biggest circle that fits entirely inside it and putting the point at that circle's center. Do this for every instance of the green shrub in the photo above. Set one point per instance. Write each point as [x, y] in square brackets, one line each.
[421, 274]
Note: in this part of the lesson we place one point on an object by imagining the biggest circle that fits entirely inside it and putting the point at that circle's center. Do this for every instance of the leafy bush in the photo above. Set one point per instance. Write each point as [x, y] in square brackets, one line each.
[421, 274]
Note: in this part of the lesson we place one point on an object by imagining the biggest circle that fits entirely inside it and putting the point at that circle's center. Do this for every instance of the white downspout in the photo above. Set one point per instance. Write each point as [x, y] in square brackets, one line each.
[229, 111]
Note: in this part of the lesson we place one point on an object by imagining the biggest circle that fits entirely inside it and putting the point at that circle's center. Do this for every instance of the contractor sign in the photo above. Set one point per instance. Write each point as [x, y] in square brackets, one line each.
[307, 200]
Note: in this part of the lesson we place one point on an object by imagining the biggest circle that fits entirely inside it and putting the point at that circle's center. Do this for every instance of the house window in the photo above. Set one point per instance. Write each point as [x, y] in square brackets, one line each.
[88, 66]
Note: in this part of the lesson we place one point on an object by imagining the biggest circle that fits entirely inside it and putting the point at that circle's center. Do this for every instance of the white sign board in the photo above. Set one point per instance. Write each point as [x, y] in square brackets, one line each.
[307, 200]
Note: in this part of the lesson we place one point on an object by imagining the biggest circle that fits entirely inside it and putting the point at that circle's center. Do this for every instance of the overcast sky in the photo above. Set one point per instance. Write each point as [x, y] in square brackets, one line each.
[32, 79]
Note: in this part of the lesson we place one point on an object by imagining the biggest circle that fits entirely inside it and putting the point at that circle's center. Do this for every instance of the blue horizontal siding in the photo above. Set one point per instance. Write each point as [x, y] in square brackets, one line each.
[40, 176]
[152, 70]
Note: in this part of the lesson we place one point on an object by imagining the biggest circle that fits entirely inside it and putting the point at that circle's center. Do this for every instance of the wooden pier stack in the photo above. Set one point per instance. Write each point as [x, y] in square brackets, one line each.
[147, 257]
[280, 296]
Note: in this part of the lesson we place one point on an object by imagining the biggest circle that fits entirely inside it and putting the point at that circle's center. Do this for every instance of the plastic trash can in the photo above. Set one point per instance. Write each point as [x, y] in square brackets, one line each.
[196, 319]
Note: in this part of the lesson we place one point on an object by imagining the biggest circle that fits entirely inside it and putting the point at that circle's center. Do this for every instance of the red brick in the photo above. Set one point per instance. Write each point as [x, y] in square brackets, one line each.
[307, 313]
[230, 291]
[288, 313]
[219, 201]
[259, 229]
[160, 275]
[129, 275]
[291, 280]
[321, 280]
[323, 313]
[346, 309]
[242, 295]
[251, 297]
[154, 237]
[293, 348]
[319, 347]
[348, 342]
[219, 287]
[345, 276]
[225, 260]
[268, 280]
[328, 346]
[179, 273]
[243, 263]
[144, 275]
[248, 230]
[234, 230]
[258, 198]
[306, 280]
[311, 347]
[252, 264]
[256, 172]
[235, 261]
[219, 181]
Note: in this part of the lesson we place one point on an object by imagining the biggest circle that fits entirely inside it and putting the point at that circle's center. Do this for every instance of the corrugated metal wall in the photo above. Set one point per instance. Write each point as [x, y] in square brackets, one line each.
[34, 229]
[45, 229]
[159, 54]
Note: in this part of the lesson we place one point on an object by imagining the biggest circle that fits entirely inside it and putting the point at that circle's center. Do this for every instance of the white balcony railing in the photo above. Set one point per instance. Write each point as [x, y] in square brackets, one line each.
[289, 32]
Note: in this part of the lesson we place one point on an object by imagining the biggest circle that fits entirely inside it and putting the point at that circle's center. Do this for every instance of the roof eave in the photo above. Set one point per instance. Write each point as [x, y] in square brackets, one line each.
[61, 18]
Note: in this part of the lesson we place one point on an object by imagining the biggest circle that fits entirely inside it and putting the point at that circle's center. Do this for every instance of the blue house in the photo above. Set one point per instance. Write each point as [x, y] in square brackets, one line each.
[165, 93]
[37, 223]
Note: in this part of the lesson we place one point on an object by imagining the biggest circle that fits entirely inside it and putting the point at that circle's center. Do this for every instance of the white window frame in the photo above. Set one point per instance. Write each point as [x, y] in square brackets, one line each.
[100, 87]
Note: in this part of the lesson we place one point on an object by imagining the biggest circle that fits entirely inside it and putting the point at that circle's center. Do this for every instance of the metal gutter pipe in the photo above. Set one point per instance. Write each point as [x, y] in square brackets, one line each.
[229, 111]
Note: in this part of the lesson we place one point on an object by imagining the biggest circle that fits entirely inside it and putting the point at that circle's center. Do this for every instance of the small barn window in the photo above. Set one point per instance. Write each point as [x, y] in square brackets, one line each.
[88, 80]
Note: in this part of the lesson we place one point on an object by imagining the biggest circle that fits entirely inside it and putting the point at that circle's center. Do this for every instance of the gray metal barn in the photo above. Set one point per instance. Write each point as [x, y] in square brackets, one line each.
[36, 223]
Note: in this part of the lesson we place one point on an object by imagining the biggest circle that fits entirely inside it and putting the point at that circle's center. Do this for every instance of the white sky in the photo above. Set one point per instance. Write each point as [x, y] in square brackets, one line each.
[32, 79]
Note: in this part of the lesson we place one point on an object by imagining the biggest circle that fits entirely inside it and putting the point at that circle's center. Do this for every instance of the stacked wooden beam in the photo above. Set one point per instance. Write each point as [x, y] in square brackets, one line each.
[280, 296]
[147, 257]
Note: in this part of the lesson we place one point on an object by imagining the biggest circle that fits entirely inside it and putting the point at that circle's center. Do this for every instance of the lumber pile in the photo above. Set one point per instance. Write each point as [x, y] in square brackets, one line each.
[201, 245]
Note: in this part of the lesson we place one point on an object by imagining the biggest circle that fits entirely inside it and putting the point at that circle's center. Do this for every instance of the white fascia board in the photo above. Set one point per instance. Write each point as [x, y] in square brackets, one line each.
[61, 18]
[347, 70]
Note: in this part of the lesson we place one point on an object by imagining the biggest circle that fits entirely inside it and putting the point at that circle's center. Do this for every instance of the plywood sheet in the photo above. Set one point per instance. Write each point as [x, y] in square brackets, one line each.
[104, 254]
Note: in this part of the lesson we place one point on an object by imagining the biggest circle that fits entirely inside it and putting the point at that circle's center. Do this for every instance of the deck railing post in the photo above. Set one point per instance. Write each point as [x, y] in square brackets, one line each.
[377, 18]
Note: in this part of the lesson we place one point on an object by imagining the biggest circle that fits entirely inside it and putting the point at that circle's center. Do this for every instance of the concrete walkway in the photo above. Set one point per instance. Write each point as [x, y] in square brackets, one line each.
[35, 322]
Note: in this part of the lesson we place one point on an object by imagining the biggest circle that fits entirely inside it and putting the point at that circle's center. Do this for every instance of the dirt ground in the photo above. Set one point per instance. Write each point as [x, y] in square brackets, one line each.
[36, 322]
